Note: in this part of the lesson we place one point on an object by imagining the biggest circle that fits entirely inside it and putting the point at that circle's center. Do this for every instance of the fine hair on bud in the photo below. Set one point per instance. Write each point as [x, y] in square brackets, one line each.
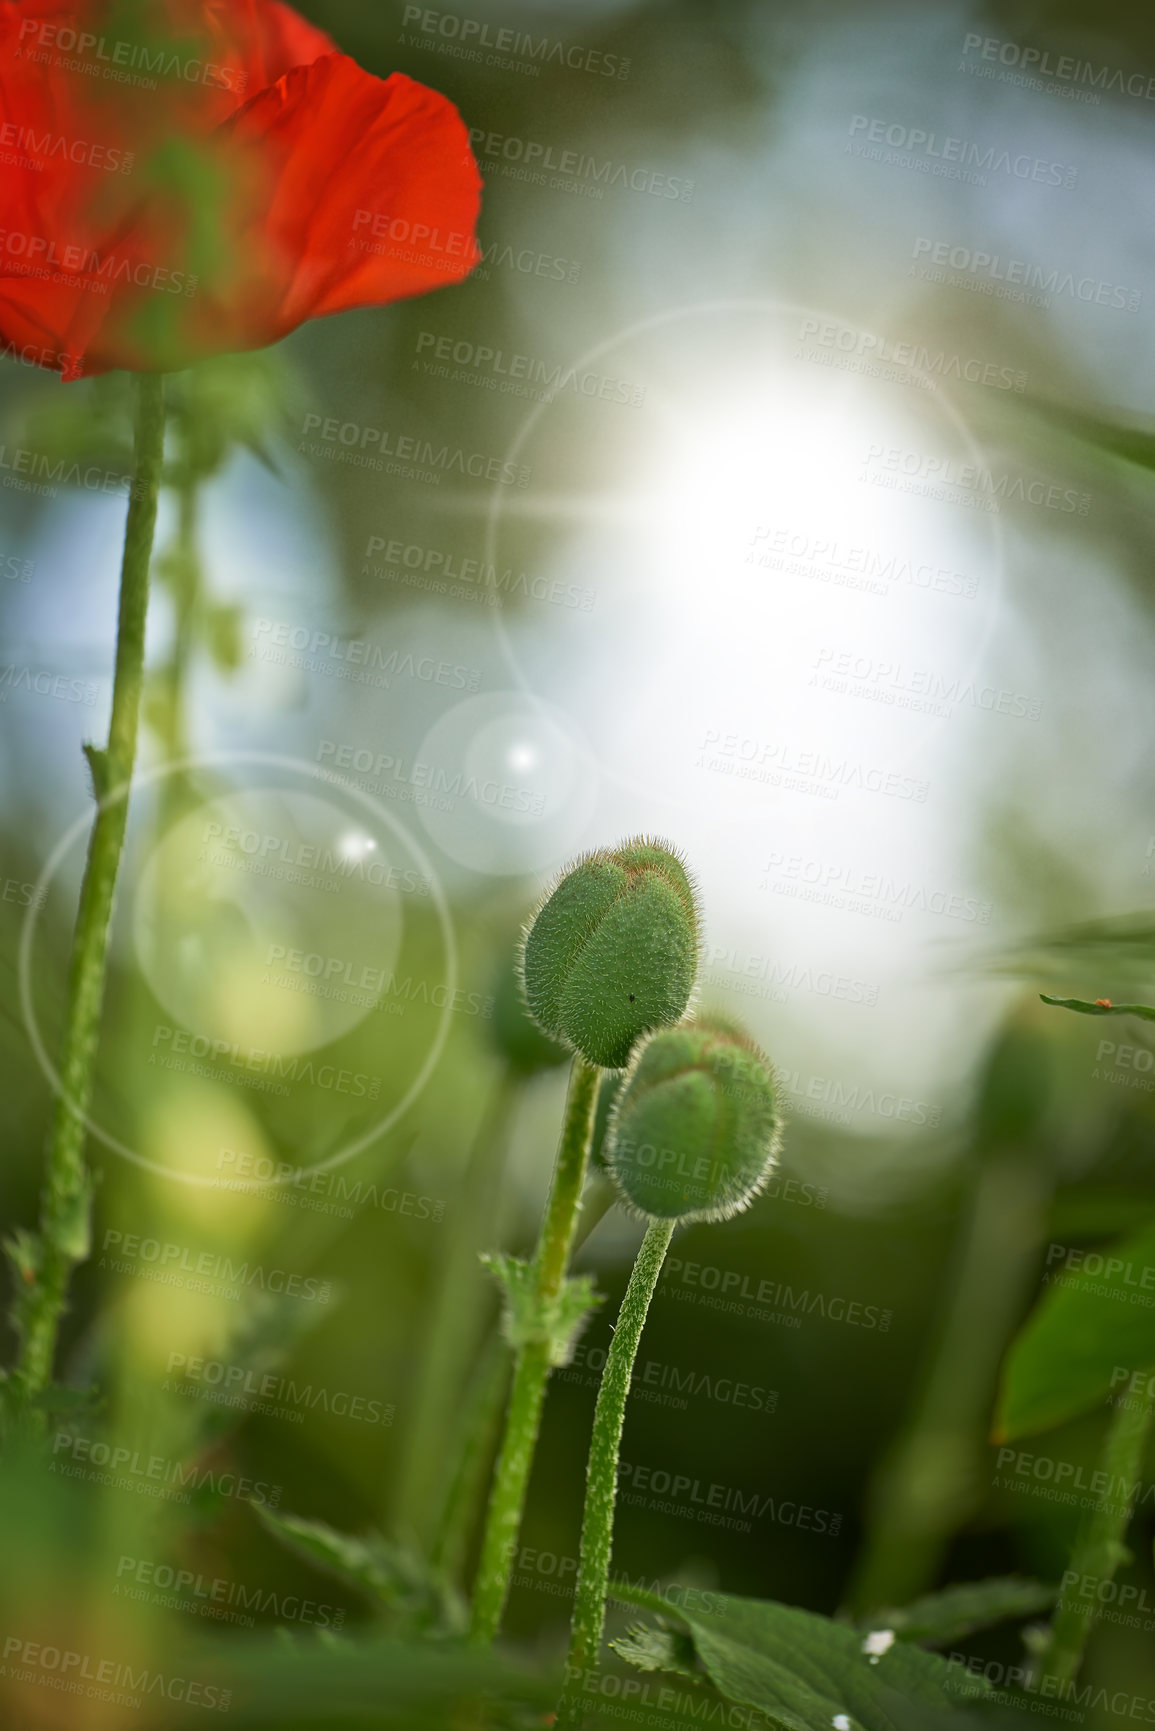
[695, 1130]
[613, 950]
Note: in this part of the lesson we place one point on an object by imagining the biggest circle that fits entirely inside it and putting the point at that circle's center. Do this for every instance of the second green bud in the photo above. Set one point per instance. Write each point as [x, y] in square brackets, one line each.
[694, 1132]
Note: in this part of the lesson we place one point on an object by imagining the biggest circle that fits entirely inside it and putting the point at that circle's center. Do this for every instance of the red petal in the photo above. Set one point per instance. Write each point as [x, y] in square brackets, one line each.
[57, 320]
[373, 191]
[327, 189]
[269, 39]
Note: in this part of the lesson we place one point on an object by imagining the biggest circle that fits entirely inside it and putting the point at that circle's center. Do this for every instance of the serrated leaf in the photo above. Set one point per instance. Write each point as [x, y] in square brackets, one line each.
[810, 1673]
[1101, 1007]
[271, 1326]
[574, 1303]
[356, 1561]
[1061, 1362]
[657, 1649]
[959, 1610]
[528, 1318]
[515, 1277]
[371, 1564]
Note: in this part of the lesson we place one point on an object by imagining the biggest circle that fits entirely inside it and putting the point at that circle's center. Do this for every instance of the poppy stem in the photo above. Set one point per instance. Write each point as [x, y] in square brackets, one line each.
[64, 1240]
[534, 1358]
[589, 1613]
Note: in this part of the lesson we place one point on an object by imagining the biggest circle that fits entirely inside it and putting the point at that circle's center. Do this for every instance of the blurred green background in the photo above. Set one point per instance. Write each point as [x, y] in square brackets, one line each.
[826, 560]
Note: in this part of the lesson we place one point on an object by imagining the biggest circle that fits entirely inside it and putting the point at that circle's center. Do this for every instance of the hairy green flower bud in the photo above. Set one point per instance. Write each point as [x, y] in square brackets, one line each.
[695, 1130]
[613, 950]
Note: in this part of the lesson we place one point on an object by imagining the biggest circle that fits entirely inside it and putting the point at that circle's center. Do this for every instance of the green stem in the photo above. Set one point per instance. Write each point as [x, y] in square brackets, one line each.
[1099, 1547]
[65, 1226]
[479, 1418]
[533, 1365]
[589, 1613]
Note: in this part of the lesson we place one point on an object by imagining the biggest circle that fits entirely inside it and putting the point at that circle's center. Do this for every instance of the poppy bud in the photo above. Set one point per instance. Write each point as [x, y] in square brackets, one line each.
[696, 1128]
[613, 950]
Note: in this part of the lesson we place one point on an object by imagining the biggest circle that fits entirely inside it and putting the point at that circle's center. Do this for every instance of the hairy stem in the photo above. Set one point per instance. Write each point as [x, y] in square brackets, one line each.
[66, 1201]
[478, 1421]
[589, 1613]
[1099, 1547]
[533, 1363]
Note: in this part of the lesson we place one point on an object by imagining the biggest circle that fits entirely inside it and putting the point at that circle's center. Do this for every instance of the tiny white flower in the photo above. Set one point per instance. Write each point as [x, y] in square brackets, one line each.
[841, 1722]
[878, 1642]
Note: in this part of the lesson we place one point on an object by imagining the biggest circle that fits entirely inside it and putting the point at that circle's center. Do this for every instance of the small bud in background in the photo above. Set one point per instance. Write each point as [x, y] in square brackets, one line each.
[612, 953]
[695, 1131]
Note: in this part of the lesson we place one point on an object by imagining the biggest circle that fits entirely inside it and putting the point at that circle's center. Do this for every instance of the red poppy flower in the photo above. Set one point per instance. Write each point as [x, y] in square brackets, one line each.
[204, 179]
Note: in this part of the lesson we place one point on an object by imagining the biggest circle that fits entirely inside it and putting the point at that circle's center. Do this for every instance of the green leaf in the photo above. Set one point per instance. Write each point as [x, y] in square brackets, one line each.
[1133, 444]
[811, 1674]
[1103, 1008]
[388, 1684]
[1097, 1211]
[657, 1650]
[269, 1329]
[1119, 945]
[959, 1610]
[1061, 1363]
[386, 1572]
[528, 1318]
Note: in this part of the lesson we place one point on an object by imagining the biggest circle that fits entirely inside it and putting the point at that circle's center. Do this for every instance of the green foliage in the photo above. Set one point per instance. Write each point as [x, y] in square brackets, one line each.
[270, 1327]
[807, 1672]
[1133, 444]
[389, 1574]
[613, 950]
[694, 1132]
[385, 1684]
[658, 1649]
[247, 400]
[528, 1317]
[1098, 1211]
[1122, 945]
[1101, 1007]
[958, 1611]
[1062, 1361]
[1017, 1082]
